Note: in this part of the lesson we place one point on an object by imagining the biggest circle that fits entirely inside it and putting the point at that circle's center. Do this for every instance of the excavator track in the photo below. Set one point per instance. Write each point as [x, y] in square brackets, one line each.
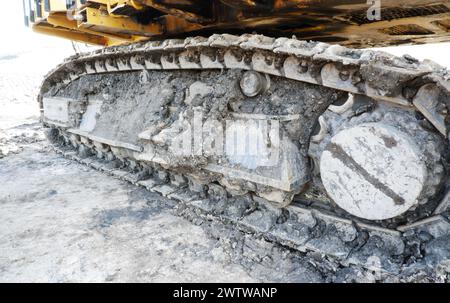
[403, 90]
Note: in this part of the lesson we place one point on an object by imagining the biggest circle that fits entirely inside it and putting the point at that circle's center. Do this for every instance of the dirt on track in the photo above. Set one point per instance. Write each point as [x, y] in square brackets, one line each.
[64, 222]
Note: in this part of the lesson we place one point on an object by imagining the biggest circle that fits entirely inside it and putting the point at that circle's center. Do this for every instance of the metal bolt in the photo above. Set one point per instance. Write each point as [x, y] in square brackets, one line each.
[441, 109]
[253, 83]
[344, 75]
[303, 67]
[247, 58]
[170, 58]
[268, 60]
[356, 78]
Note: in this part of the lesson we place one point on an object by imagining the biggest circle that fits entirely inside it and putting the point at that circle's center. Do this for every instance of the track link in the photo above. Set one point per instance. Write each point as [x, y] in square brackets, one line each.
[390, 252]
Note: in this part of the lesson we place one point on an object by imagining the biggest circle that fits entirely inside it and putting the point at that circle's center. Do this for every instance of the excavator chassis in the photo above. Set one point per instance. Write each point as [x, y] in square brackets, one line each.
[355, 23]
[334, 91]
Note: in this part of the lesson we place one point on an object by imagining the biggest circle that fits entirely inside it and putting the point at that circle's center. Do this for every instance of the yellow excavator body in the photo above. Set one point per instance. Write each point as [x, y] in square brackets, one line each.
[353, 23]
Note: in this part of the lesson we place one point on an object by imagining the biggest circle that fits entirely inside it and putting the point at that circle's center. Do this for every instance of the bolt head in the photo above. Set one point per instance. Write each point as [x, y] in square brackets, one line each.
[344, 75]
[252, 83]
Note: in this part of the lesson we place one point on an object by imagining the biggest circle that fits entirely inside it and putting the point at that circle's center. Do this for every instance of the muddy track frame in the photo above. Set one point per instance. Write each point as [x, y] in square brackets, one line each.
[352, 71]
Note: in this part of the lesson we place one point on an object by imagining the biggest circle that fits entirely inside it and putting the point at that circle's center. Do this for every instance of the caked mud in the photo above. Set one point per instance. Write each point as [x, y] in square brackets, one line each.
[362, 145]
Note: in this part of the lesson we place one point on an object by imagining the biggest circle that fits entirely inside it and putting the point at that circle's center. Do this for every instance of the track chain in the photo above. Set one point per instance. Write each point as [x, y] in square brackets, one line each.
[297, 227]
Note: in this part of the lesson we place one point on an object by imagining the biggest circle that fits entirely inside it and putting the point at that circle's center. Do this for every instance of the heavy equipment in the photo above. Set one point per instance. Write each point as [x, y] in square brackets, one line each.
[269, 114]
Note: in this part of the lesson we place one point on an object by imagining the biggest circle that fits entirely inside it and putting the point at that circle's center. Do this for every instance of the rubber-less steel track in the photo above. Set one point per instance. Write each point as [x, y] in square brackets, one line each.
[376, 75]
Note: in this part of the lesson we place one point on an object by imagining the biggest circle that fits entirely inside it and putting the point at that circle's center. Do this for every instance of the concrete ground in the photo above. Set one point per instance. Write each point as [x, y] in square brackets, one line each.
[62, 222]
